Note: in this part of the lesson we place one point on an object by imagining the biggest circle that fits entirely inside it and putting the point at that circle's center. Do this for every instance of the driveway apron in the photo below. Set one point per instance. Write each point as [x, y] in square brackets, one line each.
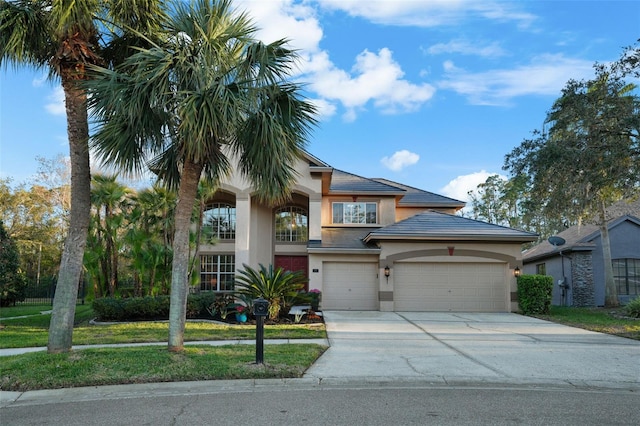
[472, 347]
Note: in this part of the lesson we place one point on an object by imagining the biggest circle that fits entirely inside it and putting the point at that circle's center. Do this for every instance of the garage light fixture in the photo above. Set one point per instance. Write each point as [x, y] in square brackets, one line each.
[516, 272]
[387, 272]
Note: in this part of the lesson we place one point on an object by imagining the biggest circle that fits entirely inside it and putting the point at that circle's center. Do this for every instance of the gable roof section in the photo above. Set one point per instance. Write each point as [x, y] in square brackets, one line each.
[350, 184]
[315, 162]
[437, 226]
[415, 197]
[577, 237]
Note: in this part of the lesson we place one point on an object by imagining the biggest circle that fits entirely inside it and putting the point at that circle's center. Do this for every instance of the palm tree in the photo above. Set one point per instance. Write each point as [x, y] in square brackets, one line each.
[184, 106]
[149, 237]
[63, 37]
[111, 204]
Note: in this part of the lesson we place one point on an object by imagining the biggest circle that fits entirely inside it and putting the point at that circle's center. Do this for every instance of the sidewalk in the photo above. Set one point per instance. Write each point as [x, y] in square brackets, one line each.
[19, 351]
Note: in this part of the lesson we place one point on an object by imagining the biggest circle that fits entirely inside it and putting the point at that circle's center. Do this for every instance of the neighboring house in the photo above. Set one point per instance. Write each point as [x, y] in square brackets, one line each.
[580, 259]
[367, 244]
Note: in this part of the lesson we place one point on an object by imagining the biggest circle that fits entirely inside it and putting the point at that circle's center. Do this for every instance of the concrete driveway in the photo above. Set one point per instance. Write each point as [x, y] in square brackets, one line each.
[469, 348]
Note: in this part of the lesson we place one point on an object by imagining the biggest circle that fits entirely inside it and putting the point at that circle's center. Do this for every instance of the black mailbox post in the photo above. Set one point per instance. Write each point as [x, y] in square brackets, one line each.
[260, 311]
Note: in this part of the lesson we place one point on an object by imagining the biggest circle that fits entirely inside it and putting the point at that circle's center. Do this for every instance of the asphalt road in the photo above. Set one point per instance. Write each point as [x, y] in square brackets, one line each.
[349, 404]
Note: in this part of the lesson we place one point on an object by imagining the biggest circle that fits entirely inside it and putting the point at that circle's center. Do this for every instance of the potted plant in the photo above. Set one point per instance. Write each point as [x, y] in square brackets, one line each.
[241, 313]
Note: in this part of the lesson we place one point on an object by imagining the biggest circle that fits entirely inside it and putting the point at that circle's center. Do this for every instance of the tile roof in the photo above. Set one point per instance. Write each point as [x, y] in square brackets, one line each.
[415, 197]
[348, 183]
[433, 225]
[343, 238]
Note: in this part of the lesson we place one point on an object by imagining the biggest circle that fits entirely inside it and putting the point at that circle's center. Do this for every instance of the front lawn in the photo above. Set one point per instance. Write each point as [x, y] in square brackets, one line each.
[33, 331]
[149, 364]
[603, 320]
[108, 366]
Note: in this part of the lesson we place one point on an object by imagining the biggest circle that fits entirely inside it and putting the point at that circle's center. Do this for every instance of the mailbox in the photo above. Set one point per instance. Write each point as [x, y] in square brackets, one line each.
[260, 307]
[260, 311]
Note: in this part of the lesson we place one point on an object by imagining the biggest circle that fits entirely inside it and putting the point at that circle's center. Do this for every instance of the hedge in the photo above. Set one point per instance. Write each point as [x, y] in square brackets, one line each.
[534, 294]
[149, 307]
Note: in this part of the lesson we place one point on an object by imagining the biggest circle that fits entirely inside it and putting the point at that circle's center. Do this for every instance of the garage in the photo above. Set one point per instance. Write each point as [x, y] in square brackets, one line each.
[350, 286]
[462, 287]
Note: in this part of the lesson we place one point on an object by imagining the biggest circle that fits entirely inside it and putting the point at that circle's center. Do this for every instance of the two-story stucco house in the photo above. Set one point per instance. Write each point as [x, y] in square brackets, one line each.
[367, 244]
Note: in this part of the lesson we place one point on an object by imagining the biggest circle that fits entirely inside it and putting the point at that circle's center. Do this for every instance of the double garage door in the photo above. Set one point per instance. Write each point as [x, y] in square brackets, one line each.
[462, 287]
[436, 287]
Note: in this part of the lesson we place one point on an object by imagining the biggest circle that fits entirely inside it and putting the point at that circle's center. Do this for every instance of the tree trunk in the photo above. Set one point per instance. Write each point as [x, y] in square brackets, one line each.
[187, 194]
[64, 302]
[111, 255]
[610, 291]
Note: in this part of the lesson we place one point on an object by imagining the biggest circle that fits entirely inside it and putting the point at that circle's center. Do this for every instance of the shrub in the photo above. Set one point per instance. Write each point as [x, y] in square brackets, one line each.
[279, 287]
[148, 307]
[633, 308]
[198, 304]
[108, 309]
[534, 294]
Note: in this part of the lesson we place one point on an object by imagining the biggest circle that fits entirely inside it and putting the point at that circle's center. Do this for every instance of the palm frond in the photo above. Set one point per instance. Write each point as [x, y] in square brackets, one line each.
[25, 34]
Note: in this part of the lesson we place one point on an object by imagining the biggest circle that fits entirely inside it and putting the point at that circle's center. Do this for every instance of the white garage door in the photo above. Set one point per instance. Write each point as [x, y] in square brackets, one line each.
[461, 287]
[350, 286]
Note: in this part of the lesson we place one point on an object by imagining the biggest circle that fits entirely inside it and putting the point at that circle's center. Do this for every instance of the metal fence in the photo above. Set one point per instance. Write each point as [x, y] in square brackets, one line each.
[43, 292]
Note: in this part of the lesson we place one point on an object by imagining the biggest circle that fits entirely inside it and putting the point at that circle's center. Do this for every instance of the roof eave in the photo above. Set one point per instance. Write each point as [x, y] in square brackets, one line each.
[342, 250]
[366, 193]
[431, 205]
[458, 238]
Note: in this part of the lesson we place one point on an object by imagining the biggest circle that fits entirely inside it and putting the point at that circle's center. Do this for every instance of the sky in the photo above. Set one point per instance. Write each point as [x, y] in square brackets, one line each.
[432, 94]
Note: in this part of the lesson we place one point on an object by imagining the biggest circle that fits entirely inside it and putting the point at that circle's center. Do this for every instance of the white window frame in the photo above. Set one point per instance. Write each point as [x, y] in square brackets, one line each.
[217, 272]
[354, 213]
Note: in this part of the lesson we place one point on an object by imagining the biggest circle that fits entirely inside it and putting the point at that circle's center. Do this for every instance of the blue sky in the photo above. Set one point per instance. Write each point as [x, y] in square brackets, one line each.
[432, 94]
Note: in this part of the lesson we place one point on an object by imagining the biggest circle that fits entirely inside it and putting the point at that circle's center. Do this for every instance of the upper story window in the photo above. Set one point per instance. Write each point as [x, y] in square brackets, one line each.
[626, 273]
[347, 212]
[219, 221]
[291, 224]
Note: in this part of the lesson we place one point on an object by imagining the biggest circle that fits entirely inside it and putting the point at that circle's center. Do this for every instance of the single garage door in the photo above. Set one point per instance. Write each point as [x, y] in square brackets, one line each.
[350, 286]
[461, 287]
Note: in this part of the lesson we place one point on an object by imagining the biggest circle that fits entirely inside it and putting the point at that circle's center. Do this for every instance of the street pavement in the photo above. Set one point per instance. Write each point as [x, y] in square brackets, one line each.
[420, 349]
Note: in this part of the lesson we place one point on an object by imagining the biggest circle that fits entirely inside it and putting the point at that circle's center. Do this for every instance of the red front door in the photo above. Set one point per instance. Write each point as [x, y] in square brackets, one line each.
[293, 263]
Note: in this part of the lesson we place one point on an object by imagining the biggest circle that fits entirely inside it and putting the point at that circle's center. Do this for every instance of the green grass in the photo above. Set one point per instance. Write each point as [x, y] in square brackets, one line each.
[33, 331]
[603, 320]
[96, 367]
[15, 311]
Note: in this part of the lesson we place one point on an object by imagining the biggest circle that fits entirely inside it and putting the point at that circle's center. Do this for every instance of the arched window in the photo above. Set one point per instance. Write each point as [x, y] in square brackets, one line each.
[291, 224]
[219, 221]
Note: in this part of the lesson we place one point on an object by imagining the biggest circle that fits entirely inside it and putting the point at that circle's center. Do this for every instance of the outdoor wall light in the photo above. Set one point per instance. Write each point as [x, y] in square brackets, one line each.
[516, 272]
[387, 272]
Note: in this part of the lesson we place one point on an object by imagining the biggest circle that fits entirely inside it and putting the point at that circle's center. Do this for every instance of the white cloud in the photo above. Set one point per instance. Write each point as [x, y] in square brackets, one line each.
[324, 108]
[459, 187]
[39, 81]
[400, 159]
[545, 75]
[55, 104]
[278, 19]
[430, 13]
[465, 47]
[375, 78]
[450, 67]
